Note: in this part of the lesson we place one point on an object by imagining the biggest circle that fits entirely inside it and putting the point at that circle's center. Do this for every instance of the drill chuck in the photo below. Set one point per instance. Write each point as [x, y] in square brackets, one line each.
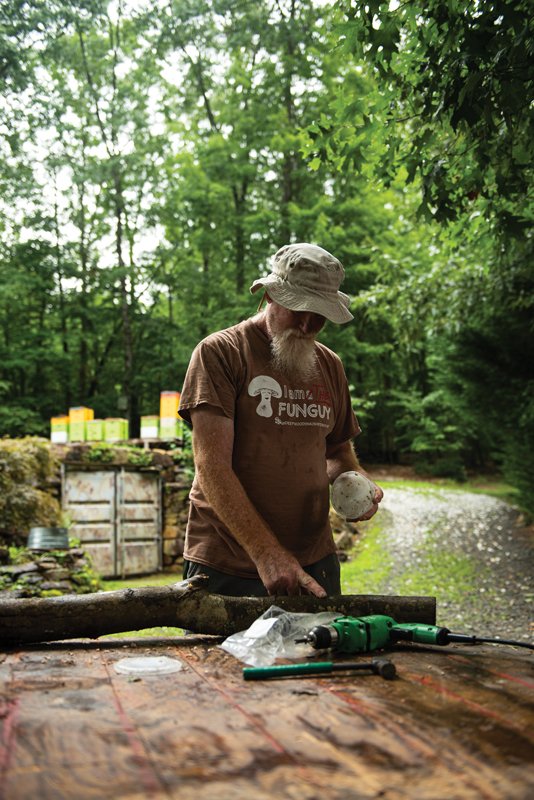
[322, 637]
[351, 634]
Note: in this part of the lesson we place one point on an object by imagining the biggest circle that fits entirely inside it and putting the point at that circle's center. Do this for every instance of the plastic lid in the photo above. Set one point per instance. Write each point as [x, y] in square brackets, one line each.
[148, 665]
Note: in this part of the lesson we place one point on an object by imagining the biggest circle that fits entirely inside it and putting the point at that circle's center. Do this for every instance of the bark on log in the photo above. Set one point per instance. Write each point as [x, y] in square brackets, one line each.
[184, 605]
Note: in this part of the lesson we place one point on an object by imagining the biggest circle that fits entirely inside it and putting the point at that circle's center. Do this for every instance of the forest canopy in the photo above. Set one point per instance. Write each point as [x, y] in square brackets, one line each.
[154, 155]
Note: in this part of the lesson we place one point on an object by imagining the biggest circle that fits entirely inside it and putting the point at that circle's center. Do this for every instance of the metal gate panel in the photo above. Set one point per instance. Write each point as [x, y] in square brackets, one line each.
[139, 530]
[96, 487]
[89, 498]
[139, 487]
[116, 515]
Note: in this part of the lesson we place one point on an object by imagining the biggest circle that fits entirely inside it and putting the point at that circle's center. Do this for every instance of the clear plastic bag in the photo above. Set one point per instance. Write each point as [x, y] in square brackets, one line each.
[273, 636]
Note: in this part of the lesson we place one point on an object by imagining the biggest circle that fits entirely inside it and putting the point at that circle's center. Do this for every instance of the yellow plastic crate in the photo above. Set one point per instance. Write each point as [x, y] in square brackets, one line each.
[81, 414]
[168, 404]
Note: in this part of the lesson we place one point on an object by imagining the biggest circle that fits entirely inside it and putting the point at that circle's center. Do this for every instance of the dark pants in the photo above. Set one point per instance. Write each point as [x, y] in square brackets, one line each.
[325, 572]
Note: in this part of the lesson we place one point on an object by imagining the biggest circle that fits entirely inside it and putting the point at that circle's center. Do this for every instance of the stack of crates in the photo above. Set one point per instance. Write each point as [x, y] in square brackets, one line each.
[170, 424]
[78, 417]
[59, 429]
[81, 426]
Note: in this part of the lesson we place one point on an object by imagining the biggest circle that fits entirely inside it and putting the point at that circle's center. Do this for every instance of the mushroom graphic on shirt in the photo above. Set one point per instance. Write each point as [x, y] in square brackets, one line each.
[266, 387]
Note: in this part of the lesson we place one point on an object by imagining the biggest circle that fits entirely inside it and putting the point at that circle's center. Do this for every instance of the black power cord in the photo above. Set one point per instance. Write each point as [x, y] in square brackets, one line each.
[461, 637]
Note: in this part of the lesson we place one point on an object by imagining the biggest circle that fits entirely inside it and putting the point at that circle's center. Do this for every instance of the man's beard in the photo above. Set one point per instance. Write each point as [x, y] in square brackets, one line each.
[293, 354]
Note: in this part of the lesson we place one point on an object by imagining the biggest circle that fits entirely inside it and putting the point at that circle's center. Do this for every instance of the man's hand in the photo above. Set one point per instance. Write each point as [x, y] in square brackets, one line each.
[377, 497]
[281, 574]
[342, 458]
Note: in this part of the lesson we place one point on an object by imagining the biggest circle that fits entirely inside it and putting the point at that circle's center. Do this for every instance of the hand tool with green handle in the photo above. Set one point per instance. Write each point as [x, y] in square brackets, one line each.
[379, 666]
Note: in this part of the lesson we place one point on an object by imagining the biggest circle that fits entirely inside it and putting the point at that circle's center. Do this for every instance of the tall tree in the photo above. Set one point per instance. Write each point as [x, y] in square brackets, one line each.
[454, 102]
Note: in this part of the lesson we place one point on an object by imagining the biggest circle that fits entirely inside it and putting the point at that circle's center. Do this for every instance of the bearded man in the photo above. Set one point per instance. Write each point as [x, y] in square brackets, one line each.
[272, 428]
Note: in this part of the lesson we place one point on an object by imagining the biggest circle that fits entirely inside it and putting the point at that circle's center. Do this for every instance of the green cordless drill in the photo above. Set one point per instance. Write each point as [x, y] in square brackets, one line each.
[364, 634]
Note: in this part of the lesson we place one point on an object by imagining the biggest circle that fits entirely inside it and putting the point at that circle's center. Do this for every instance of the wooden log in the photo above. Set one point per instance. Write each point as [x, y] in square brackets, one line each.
[184, 605]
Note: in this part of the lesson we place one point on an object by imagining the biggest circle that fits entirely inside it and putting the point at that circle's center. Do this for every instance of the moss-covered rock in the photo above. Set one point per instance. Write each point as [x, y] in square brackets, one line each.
[31, 573]
[110, 453]
[26, 466]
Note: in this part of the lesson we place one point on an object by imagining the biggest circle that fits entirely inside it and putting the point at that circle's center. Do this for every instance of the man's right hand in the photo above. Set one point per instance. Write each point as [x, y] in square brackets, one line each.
[281, 574]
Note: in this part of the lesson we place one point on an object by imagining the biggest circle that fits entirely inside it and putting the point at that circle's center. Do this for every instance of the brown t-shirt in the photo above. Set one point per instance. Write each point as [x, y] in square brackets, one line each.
[281, 431]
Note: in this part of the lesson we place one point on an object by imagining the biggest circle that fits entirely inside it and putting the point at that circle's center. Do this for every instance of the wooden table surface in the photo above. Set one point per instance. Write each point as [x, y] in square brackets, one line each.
[457, 722]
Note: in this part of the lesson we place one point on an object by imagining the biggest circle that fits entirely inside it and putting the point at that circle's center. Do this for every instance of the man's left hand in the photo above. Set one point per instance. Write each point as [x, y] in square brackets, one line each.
[377, 497]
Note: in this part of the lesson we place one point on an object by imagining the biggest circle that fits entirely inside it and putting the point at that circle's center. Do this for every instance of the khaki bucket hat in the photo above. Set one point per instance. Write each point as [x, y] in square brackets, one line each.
[305, 277]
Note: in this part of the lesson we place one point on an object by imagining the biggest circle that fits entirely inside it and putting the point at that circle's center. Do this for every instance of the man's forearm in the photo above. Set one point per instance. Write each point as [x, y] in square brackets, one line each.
[341, 459]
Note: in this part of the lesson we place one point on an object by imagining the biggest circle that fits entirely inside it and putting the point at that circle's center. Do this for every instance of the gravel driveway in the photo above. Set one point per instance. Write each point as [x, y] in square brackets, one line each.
[466, 549]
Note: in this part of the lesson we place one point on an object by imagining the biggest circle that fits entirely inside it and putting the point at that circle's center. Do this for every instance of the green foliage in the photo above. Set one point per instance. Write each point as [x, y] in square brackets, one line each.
[518, 466]
[107, 453]
[139, 457]
[178, 151]
[455, 89]
[101, 453]
[17, 555]
[184, 455]
[493, 361]
[450, 466]
[429, 427]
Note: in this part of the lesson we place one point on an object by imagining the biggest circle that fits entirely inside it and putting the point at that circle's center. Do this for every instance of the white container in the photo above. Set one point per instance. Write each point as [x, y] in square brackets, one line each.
[150, 432]
[352, 495]
[149, 427]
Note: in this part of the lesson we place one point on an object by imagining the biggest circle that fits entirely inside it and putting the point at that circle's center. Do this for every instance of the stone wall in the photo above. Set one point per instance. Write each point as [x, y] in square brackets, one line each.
[30, 495]
[46, 574]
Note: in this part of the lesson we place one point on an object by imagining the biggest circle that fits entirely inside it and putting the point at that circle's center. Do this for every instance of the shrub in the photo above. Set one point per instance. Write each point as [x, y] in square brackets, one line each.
[25, 467]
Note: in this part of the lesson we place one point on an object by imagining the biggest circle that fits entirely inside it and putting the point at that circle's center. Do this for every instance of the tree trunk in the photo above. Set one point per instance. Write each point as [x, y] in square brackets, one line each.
[127, 335]
[184, 605]
[83, 254]
[61, 296]
[289, 163]
[239, 194]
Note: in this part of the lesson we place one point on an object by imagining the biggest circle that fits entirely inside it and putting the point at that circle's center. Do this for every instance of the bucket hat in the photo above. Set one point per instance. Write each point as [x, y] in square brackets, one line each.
[305, 277]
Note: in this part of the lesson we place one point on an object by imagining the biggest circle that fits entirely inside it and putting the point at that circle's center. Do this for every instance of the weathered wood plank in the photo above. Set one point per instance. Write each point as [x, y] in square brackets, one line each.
[441, 732]
[68, 738]
[457, 723]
